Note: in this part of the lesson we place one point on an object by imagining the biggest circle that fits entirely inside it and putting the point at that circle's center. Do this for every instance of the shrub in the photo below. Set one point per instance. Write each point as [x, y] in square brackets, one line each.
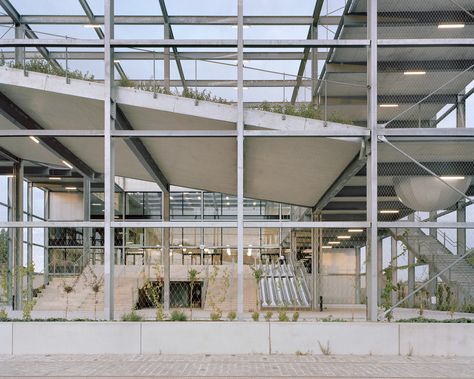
[296, 316]
[268, 315]
[231, 315]
[255, 316]
[461, 320]
[216, 316]
[3, 315]
[282, 316]
[178, 316]
[132, 316]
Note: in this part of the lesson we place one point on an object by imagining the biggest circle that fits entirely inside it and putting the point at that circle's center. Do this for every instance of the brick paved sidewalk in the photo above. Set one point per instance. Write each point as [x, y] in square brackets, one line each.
[241, 366]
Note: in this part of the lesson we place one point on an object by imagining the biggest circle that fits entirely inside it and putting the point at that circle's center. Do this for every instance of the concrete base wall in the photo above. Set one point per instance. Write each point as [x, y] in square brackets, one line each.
[236, 338]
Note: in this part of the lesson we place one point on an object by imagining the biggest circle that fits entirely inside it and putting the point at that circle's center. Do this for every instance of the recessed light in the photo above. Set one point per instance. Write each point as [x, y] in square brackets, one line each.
[71, 188]
[54, 178]
[34, 139]
[92, 26]
[450, 26]
[389, 211]
[333, 242]
[414, 73]
[254, 203]
[344, 237]
[355, 230]
[227, 203]
[452, 177]
[171, 197]
[388, 105]
[67, 164]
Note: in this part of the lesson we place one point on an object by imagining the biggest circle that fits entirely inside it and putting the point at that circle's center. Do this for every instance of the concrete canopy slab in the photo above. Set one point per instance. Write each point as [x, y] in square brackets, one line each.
[297, 170]
[272, 167]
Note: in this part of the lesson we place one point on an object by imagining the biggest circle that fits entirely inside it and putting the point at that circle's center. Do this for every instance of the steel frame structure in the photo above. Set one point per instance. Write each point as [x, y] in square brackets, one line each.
[110, 132]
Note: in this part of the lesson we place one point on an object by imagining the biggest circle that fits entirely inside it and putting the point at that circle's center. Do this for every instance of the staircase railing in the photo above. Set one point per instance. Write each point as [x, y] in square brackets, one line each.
[448, 241]
[435, 277]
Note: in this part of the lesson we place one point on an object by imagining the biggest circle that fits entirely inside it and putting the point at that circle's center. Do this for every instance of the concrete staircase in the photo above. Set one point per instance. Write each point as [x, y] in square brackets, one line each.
[431, 251]
[82, 298]
[215, 290]
[129, 278]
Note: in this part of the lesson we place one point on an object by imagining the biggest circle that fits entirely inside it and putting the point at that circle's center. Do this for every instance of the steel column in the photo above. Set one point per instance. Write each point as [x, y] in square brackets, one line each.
[29, 243]
[379, 269]
[109, 160]
[357, 276]
[394, 263]
[240, 159]
[165, 243]
[316, 234]
[19, 51]
[372, 206]
[86, 232]
[18, 235]
[46, 240]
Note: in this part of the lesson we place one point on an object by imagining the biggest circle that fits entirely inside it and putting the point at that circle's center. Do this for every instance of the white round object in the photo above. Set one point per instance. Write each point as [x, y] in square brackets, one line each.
[428, 193]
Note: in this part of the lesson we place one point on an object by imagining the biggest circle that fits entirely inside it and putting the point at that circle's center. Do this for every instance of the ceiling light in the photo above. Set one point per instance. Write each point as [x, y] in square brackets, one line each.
[54, 178]
[227, 197]
[227, 203]
[326, 247]
[96, 204]
[254, 203]
[414, 73]
[245, 88]
[388, 105]
[34, 139]
[171, 197]
[116, 61]
[355, 230]
[333, 242]
[452, 177]
[92, 26]
[245, 26]
[344, 237]
[67, 164]
[450, 26]
[71, 188]
[389, 211]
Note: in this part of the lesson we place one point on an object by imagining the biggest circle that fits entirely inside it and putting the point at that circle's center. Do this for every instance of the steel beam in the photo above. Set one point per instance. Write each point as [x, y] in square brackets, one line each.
[28, 32]
[352, 169]
[316, 14]
[170, 35]
[90, 16]
[173, 20]
[159, 56]
[141, 152]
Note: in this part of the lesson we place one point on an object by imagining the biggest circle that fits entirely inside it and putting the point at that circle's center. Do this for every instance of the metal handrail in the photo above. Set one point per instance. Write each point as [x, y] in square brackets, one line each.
[426, 283]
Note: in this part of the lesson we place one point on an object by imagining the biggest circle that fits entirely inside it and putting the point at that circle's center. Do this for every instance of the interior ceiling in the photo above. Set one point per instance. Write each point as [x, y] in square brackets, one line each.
[413, 20]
